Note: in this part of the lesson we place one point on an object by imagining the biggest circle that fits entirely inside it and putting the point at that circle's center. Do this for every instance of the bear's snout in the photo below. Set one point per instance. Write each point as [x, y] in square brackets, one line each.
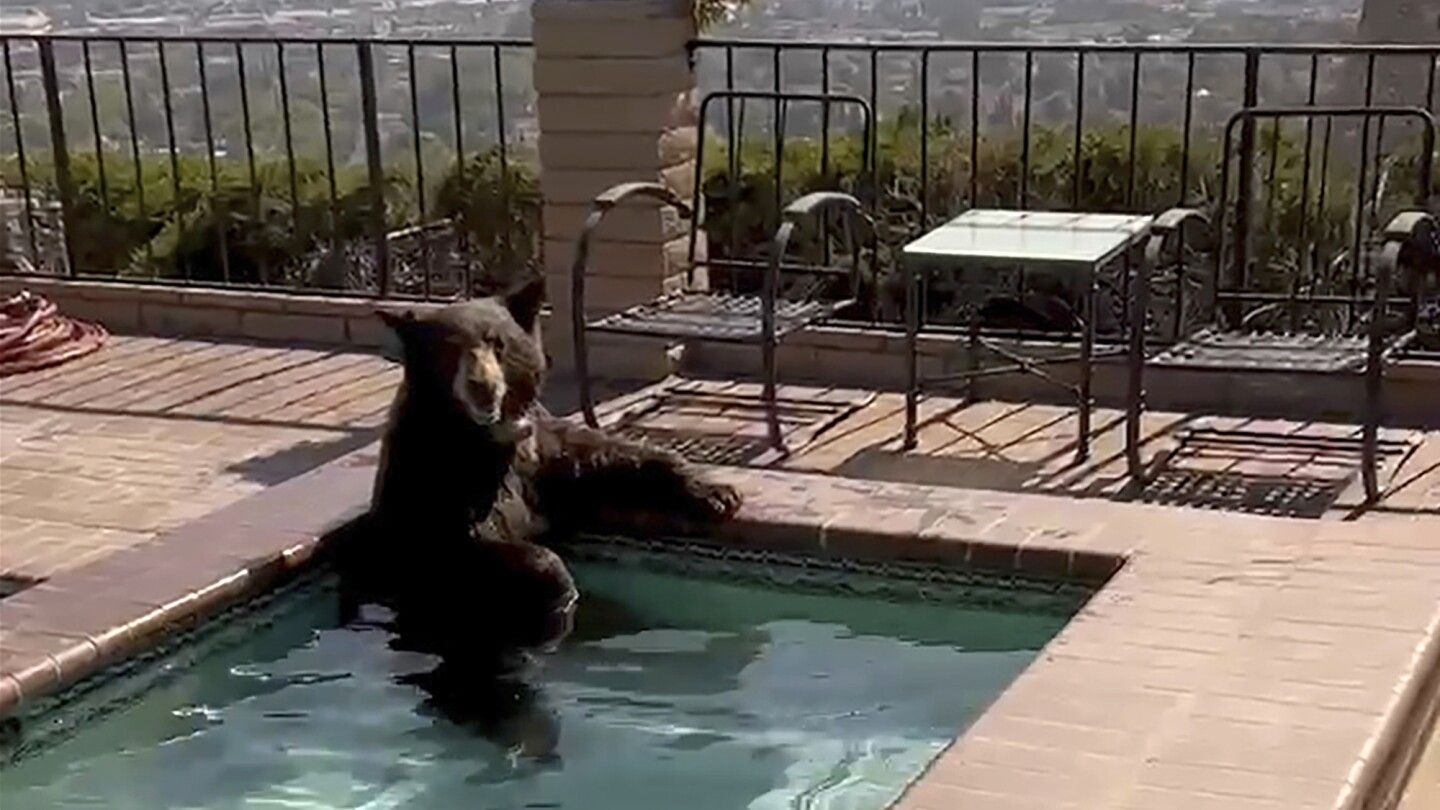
[480, 385]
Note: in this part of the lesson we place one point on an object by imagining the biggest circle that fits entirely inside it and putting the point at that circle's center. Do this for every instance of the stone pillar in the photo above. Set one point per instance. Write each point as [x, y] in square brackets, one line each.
[617, 103]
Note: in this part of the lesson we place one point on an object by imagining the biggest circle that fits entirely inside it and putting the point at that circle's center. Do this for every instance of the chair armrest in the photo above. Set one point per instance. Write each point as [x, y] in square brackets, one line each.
[1409, 233]
[1169, 224]
[1408, 225]
[818, 201]
[1405, 237]
[613, 196]
[602, 205]
[1174, 219]
[814, 203]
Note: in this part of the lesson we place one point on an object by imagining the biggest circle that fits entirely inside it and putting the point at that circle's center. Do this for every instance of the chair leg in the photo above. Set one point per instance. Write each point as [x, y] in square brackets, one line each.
[1087, 370]
[1134, 408]
[1375, 371]
[972, 359]
[582, 377]
[1370, 441]
[771, 395]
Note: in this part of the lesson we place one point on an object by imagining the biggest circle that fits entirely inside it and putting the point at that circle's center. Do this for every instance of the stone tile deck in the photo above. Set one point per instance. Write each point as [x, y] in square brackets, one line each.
[149, 433]
[1229, 661]
[1029, 447]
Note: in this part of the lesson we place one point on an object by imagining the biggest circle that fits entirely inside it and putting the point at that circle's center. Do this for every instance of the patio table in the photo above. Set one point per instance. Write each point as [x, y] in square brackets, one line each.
[1078, 245]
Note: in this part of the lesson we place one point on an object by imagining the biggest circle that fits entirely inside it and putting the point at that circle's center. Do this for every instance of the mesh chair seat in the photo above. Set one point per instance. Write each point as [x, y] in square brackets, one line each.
[713, 316]
[1265, 351]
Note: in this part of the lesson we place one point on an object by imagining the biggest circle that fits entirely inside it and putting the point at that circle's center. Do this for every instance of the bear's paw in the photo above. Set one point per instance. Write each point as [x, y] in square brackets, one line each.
[710, 501]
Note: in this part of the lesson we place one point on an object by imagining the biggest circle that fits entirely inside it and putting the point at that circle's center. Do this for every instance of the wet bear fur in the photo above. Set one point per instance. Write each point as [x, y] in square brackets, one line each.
[475, 473]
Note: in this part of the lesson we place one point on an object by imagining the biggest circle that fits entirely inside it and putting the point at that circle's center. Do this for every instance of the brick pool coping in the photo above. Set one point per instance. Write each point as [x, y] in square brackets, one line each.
[1227, 660]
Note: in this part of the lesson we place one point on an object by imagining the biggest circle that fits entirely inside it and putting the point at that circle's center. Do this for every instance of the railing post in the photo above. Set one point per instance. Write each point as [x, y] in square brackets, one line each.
[59, 151]
[1244, 186]
[370, 118]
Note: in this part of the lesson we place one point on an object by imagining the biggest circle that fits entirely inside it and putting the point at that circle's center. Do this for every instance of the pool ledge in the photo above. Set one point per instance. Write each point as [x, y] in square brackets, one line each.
[1225, 661]
[79, 621]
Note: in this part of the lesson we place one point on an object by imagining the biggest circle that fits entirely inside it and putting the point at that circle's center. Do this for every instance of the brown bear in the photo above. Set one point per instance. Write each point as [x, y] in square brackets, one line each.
[474, 472]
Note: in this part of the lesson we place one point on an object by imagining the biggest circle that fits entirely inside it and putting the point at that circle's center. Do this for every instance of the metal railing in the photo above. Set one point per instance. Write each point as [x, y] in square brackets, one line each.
[1122, 127]
[247, 161]
[119, 154]
[1186, 62]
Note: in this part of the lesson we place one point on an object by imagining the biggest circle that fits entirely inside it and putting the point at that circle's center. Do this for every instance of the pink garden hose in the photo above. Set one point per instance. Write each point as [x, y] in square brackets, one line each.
[34, 335]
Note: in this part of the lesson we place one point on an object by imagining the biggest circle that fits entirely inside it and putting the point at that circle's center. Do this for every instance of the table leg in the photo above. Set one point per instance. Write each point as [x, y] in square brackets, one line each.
[912, 338]
[972, 358]
[1087, 353]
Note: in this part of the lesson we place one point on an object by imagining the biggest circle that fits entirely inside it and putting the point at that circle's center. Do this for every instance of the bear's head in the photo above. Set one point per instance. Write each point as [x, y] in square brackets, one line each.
[481, 360]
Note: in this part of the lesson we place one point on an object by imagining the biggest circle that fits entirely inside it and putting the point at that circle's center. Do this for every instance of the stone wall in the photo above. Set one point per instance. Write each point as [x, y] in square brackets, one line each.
[152, 309]
[829, 355]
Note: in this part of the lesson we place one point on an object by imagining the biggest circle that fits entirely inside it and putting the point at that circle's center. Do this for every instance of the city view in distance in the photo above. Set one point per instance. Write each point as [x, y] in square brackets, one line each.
[1070, 20]
[1107, 88]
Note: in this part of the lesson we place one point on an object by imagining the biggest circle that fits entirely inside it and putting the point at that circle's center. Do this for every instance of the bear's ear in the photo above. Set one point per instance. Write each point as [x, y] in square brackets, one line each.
[524, 302]
[397, 321]
[403, 324]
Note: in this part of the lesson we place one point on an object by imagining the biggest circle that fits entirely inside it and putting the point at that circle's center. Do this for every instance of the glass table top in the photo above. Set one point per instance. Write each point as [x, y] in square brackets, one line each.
[1032, 237]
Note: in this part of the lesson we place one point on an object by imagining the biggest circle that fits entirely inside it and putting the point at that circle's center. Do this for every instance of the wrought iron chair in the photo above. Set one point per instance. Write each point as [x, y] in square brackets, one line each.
[765, 317]
[1233, 337]
[431, 261]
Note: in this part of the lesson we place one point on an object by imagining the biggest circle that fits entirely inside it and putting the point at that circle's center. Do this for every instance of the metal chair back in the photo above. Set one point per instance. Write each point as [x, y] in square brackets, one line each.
[1238, 292]
[735, 103]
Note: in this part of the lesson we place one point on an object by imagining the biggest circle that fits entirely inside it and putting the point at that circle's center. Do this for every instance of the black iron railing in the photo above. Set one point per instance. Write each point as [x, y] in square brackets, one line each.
[273, 162]
[1246, 75]
[1113, 127]
[311, 164]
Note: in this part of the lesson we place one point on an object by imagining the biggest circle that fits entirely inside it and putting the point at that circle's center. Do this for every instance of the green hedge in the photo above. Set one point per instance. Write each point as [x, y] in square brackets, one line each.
[222, 228]
[225, 229]
[1104, 186]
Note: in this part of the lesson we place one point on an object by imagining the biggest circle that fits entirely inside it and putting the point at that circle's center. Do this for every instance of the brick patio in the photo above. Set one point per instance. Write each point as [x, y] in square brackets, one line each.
[1235, 660]
[150, 433]
[1277, 467]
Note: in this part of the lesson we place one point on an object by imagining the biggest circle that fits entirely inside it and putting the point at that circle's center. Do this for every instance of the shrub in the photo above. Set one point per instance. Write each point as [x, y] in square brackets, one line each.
[224, 229]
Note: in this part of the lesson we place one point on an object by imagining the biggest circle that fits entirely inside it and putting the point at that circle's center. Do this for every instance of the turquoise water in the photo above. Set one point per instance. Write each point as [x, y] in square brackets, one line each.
[678, 689]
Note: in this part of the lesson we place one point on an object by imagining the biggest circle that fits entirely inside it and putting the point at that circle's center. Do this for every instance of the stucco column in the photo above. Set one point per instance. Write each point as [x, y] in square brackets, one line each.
[617, 104]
